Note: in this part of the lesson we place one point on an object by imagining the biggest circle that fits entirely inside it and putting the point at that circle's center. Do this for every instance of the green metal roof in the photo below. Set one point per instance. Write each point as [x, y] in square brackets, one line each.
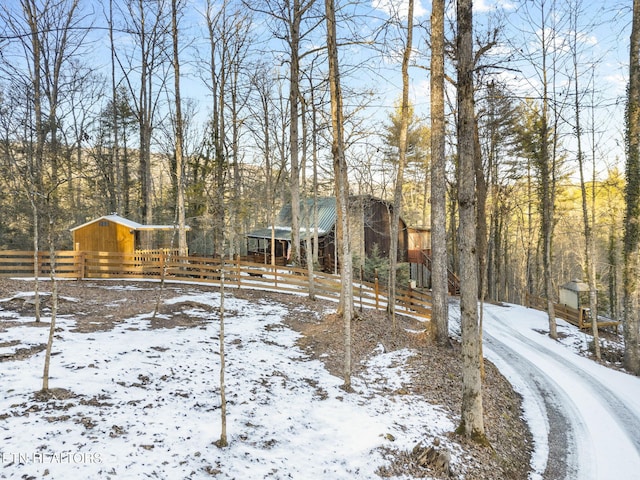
[280, 233]
[326, 219]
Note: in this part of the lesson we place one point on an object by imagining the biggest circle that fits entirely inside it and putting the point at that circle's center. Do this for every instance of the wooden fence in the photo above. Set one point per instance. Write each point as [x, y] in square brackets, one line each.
[156, 265]
[578, 317]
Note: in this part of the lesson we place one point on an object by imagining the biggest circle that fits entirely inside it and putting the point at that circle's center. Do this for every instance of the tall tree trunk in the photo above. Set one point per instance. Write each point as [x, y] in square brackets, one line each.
[481, 230]
[179, 136]
[341, 187]
[36, 255]
[54, 305]
[222, 441]
[402, 160]
[308, 206]
[218, 76]
[547, 177]
[34, 175]
[472, 422]
[439, 280]
[115, 153]
[314, 148]
[589, 243]
[481, 212]
[144, 169]
[294, 96]
[632, 198]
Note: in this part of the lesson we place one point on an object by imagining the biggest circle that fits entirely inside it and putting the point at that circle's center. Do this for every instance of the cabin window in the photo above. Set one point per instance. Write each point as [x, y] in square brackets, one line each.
[104, 223]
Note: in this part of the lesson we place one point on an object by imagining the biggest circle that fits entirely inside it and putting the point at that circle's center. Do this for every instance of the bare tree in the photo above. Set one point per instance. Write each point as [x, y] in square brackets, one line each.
[341, 187]
[145, 79]
[228, 29]
[308, 205]
[402, 160]
[589, 239]
[179, 135]
[296, 18]
[240, 28]
[217, 66]
[543, 55]
[472, 423]
[222, 441]
[118, 196]
[439, 262]
[54, 305]
[46, 38]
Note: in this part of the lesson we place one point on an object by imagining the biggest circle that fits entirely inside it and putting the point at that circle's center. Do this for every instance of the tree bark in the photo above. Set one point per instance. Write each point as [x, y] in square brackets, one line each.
[439, 280]
[179, 136]
[402, 160]
[472, 422]
[547, 178]
[341, 187]
[589, 244]
[54, 306]
[632, 197]
[294, 96]
[222, 441]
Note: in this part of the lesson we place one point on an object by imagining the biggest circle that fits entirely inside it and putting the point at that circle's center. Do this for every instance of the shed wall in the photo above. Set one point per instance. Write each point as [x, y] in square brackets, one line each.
[569, 298]
[104, 236]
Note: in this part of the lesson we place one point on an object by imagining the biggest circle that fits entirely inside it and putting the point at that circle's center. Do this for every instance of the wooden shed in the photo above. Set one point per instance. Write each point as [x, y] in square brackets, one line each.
[574, 294]
[113, 233]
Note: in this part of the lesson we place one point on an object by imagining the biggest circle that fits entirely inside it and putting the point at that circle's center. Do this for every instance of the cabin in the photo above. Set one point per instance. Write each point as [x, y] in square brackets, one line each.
[369, 224]
[113, 233]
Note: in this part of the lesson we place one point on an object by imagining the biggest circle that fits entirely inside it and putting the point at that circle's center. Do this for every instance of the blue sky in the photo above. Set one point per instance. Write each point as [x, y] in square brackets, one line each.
[602, 28]
[604, 32]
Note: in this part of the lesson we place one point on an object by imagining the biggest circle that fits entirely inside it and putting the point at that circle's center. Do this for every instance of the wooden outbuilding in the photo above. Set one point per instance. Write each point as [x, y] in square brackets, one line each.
[369, 223]
[575, 294]
[113, 233]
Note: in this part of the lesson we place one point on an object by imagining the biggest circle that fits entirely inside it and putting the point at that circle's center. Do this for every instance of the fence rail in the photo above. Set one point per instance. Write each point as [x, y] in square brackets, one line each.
[578, 317]
[155, 265]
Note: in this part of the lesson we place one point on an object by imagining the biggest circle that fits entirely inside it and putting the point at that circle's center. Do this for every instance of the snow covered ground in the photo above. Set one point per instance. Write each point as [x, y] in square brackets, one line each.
[144, 402]
[584, 417]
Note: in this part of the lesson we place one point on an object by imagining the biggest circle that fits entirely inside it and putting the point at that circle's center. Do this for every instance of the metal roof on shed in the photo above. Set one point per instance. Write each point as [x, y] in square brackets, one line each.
[576, 285]
[127, 223]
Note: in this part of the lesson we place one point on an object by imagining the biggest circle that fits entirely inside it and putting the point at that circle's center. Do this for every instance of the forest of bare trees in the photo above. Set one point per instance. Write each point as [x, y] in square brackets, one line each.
[501, 135]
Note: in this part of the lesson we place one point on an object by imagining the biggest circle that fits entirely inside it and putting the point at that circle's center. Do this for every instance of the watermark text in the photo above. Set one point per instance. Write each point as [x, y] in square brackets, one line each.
[8, 458]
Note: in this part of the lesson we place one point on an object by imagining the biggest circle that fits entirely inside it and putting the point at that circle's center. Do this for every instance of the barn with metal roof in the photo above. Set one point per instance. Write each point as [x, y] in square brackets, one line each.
[369, 223]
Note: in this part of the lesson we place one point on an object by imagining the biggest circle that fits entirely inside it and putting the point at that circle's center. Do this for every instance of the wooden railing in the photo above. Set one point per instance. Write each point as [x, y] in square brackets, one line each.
[205, 270]
[578, 317]
[424, 257]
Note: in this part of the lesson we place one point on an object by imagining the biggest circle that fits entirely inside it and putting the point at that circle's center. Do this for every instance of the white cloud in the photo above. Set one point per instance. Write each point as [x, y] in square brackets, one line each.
[483, 6]
[393, 8]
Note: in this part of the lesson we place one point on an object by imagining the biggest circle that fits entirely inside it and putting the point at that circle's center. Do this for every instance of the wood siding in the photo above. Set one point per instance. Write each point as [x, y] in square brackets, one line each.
[377, 228]
[104, 236]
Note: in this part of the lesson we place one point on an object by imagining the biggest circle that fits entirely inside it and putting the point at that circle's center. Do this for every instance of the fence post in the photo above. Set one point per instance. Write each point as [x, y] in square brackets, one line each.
[361, 280]
[238, 269]
[163, 264]
[376, 289]
[275, 274]
[80, 268]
